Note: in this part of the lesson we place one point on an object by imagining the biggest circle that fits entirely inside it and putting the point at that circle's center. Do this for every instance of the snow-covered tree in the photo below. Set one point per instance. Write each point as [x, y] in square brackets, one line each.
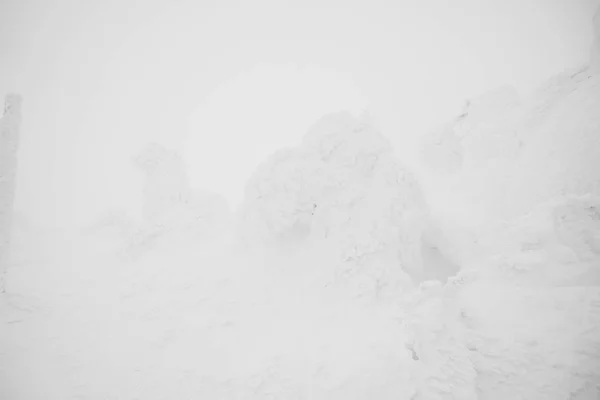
[524, 307]
[165, 179]
[341, 186]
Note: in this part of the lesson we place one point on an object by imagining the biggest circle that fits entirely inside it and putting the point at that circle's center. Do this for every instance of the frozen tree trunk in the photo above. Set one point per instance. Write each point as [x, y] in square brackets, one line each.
[9, 143]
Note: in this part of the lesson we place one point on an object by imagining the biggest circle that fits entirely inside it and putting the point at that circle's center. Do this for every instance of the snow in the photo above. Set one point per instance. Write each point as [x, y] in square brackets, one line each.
[344, 274]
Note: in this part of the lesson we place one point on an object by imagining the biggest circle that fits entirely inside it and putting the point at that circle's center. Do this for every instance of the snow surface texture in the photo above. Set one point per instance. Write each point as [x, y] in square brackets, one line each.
[335, 284]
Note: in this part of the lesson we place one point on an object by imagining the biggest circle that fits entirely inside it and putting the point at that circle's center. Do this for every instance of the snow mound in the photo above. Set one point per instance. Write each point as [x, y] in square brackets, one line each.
[442, 367]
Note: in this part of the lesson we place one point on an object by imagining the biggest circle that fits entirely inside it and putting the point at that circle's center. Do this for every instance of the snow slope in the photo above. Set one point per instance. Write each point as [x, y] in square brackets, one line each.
[185, 322]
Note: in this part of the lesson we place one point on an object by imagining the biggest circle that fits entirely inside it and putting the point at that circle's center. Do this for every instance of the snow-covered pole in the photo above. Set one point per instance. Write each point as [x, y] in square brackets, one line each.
[595, 56]
[9, 143]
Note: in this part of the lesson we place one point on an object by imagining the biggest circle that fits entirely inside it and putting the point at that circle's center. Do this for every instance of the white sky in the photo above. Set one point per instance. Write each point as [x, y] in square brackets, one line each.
[229, 84]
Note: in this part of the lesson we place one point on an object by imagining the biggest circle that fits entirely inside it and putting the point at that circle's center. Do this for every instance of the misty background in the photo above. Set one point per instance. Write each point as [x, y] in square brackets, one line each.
[227, 83]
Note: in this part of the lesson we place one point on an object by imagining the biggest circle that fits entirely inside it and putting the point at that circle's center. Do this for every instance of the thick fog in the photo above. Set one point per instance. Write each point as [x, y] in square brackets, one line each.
[303, 201]
[102, 79]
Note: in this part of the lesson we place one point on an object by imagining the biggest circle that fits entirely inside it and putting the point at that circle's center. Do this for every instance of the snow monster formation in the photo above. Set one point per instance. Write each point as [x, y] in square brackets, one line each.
[507, 153]
[341, 192]
[170, 204]
[9, 144]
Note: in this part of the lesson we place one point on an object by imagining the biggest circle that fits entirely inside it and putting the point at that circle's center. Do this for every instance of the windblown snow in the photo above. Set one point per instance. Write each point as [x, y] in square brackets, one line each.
[345, 274]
